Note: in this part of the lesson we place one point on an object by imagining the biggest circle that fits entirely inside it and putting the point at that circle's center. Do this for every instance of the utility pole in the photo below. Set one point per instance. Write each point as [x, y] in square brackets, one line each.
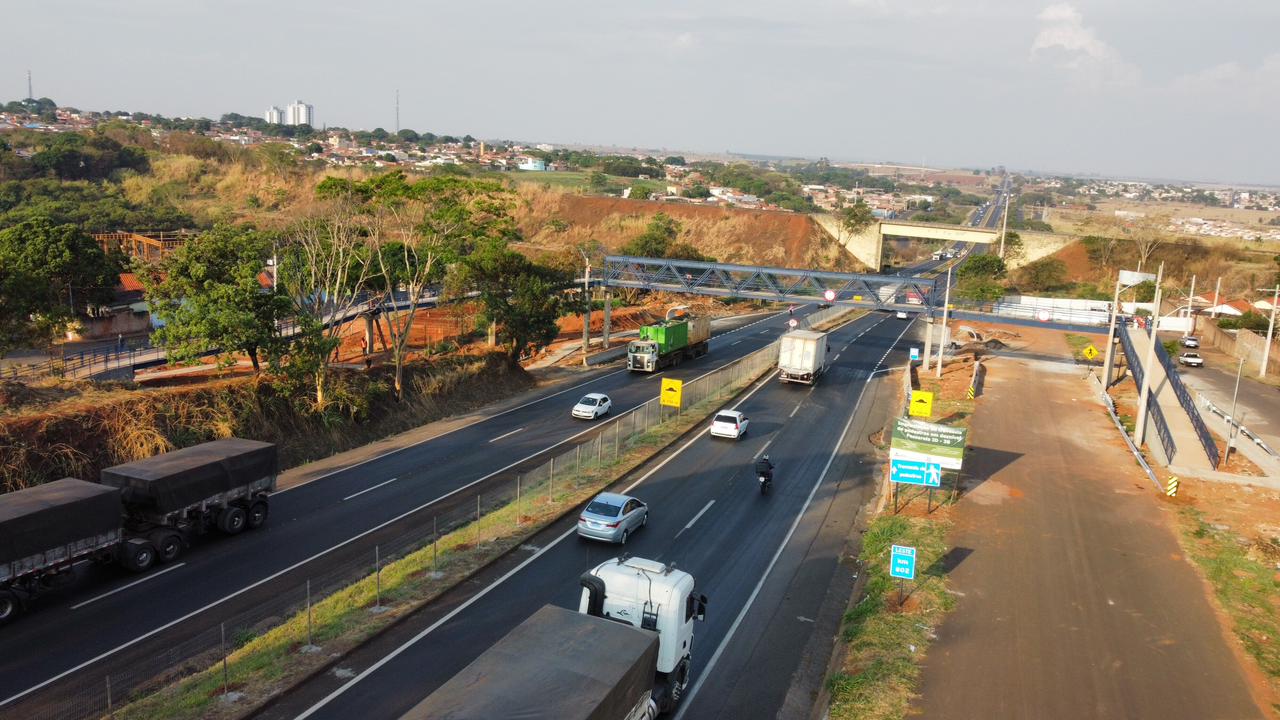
[1191, 308]
[942, 337]
[1231, 439]
[1271, 329]
[397, 111]
[1144, 396]
[31, 95]
[1111, 339]
[1004, 223]
[1217, 298]
[586, 310]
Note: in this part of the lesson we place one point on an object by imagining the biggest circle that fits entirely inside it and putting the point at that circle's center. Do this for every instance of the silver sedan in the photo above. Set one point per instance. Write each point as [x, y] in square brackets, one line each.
[612, 517]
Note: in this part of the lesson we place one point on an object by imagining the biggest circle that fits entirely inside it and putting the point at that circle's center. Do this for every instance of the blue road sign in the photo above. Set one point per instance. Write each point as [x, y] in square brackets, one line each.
[915, 472]
[915, 354]
[902, 562]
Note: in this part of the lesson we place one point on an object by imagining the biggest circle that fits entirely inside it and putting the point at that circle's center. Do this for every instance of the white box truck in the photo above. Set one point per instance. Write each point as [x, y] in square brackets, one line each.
[802, 356]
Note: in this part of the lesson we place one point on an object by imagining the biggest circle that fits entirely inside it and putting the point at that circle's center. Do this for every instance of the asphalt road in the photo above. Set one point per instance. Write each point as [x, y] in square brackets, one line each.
[764, 562]
[1259, 404]
[1073, 598]
[99, 625]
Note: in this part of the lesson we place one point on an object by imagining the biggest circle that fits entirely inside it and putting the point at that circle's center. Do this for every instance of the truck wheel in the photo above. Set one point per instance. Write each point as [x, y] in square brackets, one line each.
[258, 514]
[139, 557]
[232, 519]
[9, 606]
[168, 546]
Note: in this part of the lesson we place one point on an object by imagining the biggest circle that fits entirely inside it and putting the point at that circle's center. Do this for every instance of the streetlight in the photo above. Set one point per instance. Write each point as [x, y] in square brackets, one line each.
[586, 312]
[1271, 328]
[1132, 278]
[942, 339]
[1231, 438]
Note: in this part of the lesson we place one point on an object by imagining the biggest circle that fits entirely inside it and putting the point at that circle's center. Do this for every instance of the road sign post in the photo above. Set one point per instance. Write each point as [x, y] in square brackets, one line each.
[902, 565]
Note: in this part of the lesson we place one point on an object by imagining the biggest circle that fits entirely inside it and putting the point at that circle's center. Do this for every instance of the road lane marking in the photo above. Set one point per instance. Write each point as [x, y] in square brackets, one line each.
[695, 517]
[375, 487]
[761, 450]
[724, 642]
[475, 598]
[734, 343]
[152, 576]
[837, 357]
[506, 435]
[795, 410]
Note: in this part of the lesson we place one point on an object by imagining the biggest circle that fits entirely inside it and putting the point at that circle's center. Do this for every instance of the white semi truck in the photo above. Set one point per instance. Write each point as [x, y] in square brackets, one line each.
[624, 655]
[802, 356]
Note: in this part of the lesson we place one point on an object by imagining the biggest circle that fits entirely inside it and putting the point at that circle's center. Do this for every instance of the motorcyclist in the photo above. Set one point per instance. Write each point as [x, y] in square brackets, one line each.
[764, 468]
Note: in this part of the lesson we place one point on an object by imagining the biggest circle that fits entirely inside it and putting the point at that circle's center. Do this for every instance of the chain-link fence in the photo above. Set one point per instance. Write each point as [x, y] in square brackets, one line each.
[301, 617]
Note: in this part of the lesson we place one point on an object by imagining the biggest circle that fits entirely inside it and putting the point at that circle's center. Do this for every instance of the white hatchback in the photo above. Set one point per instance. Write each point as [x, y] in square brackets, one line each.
[729, 424]
[592, 406]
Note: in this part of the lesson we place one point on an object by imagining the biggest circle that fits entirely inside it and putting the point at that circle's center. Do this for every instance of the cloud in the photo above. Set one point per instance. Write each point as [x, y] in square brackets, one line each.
[1243, 87]
[903, 8]
[685, 41]
[1067, 43]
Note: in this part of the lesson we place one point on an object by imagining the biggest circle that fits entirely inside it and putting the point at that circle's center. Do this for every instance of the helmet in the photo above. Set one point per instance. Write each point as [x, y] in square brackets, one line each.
[766, 456]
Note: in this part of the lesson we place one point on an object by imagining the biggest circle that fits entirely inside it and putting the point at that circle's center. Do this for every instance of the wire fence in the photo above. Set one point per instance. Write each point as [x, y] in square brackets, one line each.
[299, 617]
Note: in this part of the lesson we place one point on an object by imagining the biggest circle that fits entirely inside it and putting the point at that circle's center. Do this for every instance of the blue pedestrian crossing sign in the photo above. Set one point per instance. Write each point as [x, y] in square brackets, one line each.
[915, 472]
[915, 354]
[902, 562]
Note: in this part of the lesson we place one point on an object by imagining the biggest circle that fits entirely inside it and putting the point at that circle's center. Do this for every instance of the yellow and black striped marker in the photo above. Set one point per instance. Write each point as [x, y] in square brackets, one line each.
[1171, 487]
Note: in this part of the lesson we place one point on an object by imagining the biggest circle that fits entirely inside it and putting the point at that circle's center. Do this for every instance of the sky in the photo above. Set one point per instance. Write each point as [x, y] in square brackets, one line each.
[1164, 89]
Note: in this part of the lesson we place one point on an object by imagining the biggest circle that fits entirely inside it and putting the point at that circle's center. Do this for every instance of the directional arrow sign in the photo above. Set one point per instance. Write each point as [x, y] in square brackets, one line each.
[902, 562]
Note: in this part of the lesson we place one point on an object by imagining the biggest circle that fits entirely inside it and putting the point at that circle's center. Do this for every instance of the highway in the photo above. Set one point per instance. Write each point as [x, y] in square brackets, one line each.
[760, 560]
[109, 621]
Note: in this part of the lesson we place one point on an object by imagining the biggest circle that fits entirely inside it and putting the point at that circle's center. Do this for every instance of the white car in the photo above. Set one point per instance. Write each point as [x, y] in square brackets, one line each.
[1191, 359]
[592, 406]
[1190, 341]
[729, 424]
[901, 314]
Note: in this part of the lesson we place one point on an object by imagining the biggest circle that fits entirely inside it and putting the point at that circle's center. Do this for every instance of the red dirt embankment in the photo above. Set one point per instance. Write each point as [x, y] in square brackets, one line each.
[555, 219]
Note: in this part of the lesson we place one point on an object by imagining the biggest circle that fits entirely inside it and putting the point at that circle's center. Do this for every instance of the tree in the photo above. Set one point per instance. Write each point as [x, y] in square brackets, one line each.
[1101, 249]
[673, 160]
[697, 191]
[47, 273]
[415, 229]
[1146, 238]
[982, 266]
[1013, 247]
[982, 289]
[324, 273]
[598, 181]
[209, 296]
[856, 217]
[521, 298]
[408, 135]
[656, 238]
[1044, 274]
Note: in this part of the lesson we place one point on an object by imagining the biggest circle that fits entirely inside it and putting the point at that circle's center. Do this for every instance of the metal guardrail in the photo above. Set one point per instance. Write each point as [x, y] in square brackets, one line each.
[1208, 405]
[1111, 410]
[1189, 405]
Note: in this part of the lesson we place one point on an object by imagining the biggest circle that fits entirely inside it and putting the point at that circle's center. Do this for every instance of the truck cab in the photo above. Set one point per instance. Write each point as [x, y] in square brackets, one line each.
[655, 597]
[642, 355]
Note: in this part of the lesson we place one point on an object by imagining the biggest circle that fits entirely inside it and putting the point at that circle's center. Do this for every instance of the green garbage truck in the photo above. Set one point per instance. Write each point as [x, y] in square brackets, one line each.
[663, 344]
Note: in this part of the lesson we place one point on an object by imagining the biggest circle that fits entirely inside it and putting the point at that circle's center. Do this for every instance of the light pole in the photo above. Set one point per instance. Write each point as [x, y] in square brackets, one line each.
[1004, 222]
[1231, 437]
[1140, 428]
[1121, 286]
[586, 311]
[1217, 298]
[942, 337]
[1191, 309]
[1271, 328]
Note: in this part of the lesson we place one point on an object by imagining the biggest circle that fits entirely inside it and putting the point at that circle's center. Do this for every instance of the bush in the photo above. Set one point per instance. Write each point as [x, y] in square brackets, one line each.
[1257, 322]
[983, 266]
[1045, 274]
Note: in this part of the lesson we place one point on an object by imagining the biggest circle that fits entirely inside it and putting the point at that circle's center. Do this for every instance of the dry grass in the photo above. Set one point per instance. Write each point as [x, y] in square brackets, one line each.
[81, 438]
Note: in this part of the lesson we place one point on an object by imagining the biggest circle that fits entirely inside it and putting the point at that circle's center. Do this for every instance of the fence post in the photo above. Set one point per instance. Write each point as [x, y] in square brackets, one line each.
[309, 643]
[222, 629]
[477, 519]
[617, 430]
[517, 500]
[377, 576]
[577, 459]
[551, 482]
[110, 709]
[435, 539]
[599, 442]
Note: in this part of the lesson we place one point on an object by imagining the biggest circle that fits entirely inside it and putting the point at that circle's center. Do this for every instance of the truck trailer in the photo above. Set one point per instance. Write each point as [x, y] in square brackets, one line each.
[680, 336]
[624, 655]
[140, 513]
[802, 356]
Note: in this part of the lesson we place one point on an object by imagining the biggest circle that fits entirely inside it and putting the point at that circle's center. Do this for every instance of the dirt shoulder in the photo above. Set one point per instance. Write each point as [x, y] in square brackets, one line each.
[1073, 597]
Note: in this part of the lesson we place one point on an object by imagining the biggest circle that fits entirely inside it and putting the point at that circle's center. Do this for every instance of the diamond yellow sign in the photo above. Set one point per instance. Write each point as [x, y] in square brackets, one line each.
[671, 392]
[1090, 352]
[921, 403]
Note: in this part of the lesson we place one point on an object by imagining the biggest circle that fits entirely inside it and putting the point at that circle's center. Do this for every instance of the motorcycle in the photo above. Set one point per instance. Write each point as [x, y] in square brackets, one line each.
[766, 482]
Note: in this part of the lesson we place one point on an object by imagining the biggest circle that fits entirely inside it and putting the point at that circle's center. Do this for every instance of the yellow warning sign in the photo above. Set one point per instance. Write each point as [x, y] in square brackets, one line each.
[671, 392]
[921, 403]
[1090, 352]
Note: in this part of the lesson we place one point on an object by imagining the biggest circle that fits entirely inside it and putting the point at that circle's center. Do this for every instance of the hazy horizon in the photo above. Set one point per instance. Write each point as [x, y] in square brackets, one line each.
[1139, 89]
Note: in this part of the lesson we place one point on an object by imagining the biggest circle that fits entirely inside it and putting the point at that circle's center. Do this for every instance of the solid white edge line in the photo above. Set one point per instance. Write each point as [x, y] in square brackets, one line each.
[139, 581]
[506, 435]
[706, 671]
[471, 601]
[368, 489]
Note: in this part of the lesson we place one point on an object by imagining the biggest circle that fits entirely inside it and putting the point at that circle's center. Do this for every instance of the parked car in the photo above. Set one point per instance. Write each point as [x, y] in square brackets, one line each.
[1190, 341]
[1191, 359]
[612, 517]
[592, 406]
[729, 424]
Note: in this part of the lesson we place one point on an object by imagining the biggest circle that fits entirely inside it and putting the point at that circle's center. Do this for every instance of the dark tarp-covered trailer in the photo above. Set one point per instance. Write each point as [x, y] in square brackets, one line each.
[178, 479]
[557, 665]
[56, 513]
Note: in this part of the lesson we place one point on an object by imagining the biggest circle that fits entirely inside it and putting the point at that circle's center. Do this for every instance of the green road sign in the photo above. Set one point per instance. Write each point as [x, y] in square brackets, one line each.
[928, 442]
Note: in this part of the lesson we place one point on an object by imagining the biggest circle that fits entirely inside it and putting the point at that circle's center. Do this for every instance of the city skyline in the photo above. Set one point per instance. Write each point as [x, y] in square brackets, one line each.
[1083, 88]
